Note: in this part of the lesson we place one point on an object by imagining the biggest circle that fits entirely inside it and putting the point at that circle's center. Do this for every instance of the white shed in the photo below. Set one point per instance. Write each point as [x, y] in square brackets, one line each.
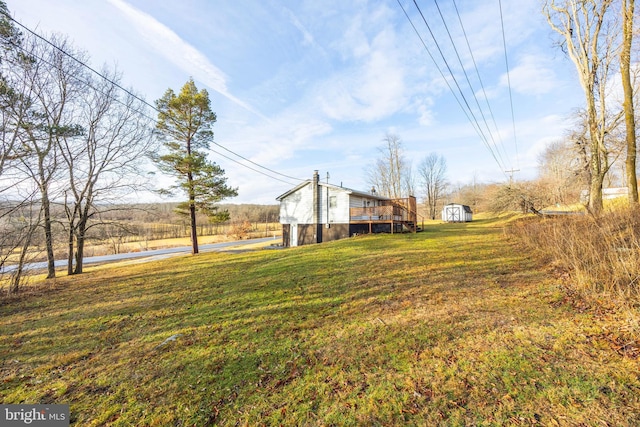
[454, 212]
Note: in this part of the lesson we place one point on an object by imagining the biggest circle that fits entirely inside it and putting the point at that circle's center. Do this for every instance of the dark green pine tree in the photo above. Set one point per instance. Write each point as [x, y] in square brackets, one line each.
[184, 126]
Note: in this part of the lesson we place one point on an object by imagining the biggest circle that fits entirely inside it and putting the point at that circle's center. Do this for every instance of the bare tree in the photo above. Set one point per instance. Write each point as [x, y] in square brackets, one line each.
[103, 164]
[561, 171]
[47, 79]
[64, 136]
[19, 235]
[432, 170]
[588, 36]
[474, 194]
[408, 180]
[391, 173]
[629, 113]
[18, 215]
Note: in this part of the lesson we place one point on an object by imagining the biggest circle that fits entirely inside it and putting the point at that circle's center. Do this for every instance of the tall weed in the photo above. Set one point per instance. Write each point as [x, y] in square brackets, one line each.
[601, 255]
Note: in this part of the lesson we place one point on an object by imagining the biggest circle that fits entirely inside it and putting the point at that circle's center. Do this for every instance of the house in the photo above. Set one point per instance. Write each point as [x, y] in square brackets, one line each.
[315, 212]
[607, 193]
[454, 212]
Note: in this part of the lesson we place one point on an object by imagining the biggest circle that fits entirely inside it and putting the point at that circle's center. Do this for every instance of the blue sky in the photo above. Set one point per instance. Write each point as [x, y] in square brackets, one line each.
[303, 85]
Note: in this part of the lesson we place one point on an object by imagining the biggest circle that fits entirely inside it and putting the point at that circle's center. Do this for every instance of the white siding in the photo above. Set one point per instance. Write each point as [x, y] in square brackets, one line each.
[361, 202]
[342, 211]
[297, 207]
[356, 202]
[338, 214]
[454, 212]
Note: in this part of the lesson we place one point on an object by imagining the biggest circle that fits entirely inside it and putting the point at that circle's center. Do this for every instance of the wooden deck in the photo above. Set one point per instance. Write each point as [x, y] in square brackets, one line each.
[397, 213]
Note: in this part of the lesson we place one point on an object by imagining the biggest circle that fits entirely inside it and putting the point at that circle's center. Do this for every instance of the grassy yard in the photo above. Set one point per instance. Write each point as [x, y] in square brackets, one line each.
[451, 326]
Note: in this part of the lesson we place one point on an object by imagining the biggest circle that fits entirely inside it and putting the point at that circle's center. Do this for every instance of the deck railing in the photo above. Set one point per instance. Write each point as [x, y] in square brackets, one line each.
[376, 213]
[397, 210]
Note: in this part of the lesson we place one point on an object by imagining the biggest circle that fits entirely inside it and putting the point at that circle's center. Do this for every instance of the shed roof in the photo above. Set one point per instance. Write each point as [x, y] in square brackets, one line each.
[335, 187]
[466, 208]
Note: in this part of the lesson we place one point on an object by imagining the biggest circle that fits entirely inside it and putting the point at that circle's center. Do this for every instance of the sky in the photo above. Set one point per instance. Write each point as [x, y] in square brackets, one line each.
[304, 85]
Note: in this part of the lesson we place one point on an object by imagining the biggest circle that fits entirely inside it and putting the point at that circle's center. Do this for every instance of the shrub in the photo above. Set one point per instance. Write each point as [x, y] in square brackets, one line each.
[240, 230]
[601, 255]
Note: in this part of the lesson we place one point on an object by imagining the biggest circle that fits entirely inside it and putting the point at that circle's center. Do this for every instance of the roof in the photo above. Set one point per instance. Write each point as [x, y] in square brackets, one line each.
[466, 208]
[335, 187]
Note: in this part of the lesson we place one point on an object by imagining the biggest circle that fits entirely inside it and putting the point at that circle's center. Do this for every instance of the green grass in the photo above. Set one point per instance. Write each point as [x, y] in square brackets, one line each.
[452, 326]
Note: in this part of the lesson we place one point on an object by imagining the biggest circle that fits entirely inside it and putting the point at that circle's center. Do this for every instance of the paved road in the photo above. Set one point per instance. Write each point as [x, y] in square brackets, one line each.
[153, 254]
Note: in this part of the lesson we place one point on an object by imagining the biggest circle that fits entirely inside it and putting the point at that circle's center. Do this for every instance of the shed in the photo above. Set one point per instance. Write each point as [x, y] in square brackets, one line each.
[455, 212]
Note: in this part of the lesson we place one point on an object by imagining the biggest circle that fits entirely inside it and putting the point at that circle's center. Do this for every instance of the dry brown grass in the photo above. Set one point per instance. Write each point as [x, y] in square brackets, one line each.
[600, 255]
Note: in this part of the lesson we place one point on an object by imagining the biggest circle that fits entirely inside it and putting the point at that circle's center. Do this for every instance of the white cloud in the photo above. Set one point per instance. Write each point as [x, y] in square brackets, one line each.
[483, 29]
[173, 48]
[532, 76]
[373, 87]
[273, 142]
[615, 91]
[354, 42]
[308, 39]
[423, 108]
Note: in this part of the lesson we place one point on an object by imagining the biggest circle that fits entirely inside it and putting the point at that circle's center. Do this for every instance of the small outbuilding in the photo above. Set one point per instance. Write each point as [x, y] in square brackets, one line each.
[454, 212]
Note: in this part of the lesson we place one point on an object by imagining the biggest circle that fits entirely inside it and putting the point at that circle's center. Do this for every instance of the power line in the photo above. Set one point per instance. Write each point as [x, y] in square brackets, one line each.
[475, 66]
[436, 64]
[464, 71]
[506, 61]
[142, 100]
[77, 60]
[475, 119]
[254, 163]
[248, 167]
[139, 112]
[468, 111]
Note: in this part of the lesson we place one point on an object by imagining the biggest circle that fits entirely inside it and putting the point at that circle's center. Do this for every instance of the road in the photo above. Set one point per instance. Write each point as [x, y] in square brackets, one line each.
[152, 254]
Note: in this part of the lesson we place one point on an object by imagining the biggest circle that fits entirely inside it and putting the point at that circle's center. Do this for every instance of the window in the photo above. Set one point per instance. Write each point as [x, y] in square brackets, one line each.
[333, 201]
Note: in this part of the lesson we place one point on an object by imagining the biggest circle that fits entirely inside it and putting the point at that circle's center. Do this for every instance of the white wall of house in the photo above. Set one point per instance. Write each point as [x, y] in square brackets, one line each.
[333, 203]
[297, 207]
[356, 201]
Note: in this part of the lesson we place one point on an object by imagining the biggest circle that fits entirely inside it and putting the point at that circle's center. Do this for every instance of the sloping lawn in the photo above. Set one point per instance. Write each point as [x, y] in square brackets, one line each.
[452, 326]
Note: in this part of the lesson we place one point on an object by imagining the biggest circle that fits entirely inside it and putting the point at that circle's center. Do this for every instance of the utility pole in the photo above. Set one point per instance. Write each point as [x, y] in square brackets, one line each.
[510, 172]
